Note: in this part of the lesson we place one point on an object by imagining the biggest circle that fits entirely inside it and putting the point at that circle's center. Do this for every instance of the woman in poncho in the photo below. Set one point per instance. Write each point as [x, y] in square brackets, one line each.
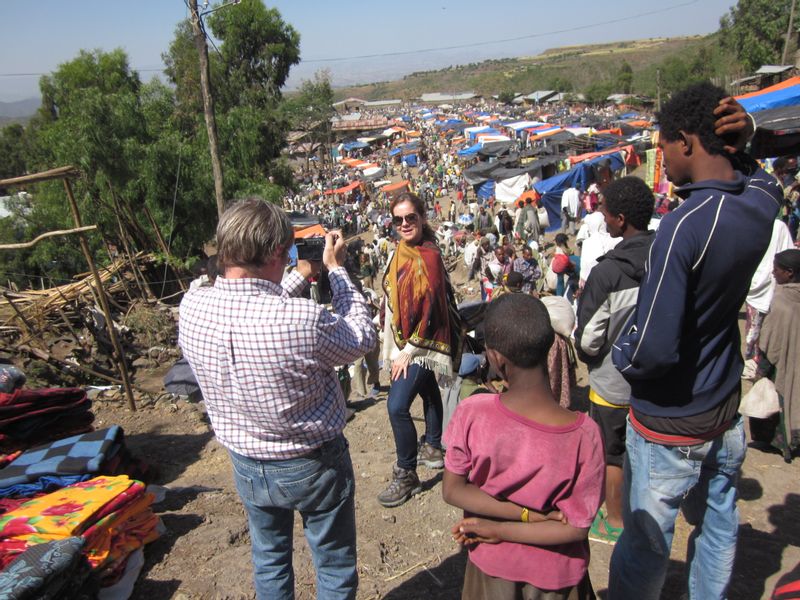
[421, 337]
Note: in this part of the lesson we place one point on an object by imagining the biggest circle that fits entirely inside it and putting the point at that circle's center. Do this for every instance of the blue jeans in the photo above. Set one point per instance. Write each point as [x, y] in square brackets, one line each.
[659, 480]
[422, 381]
[322, 488]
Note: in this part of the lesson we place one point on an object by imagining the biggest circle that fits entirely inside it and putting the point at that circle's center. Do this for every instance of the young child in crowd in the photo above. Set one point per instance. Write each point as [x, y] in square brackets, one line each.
[528, 473]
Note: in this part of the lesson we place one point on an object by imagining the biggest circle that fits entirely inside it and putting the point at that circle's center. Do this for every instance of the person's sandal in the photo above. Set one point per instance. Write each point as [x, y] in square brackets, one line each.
[602, 531]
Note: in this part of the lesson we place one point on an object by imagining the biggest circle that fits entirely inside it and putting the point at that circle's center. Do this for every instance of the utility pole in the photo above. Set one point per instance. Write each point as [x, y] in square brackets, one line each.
[658, 89]
[208, 105]
[788, 34]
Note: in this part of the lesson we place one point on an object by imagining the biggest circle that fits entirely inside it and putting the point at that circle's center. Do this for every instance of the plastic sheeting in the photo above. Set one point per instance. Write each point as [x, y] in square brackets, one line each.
[485, 189]
[786, 93]
[579, 176]
[508, 190]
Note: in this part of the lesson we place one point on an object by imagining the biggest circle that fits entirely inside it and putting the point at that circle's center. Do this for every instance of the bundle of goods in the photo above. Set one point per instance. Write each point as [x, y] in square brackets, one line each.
[111, 515]
[32, 417]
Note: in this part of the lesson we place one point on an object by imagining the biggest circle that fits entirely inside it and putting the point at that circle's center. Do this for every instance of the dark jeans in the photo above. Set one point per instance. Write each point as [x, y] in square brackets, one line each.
[422, 381]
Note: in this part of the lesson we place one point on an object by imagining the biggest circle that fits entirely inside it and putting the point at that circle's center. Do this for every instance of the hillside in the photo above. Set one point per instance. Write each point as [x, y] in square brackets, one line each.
[19, 111]
[579, 66]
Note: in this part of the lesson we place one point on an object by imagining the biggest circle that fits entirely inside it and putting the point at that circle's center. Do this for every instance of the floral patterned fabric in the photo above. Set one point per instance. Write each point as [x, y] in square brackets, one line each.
[112, 514]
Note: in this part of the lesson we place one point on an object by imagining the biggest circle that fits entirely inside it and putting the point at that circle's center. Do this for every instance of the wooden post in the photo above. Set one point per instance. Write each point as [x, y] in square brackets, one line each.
[101, 293]
[208, 104]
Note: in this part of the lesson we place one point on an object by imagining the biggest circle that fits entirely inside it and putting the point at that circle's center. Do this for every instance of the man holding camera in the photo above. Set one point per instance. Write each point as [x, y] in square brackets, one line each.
[264, 359]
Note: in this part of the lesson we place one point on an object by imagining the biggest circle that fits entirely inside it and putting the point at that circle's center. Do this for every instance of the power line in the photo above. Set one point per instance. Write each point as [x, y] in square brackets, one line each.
[440, 48]
[514, 39]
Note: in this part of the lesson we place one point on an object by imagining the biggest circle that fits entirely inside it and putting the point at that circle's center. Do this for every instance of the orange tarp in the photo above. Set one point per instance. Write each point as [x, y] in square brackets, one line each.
[639, 123]
[614, 131]
[393, 187]
[631, 157]
[545, 134]
[312, 231]
[343, 190]
[773, 88]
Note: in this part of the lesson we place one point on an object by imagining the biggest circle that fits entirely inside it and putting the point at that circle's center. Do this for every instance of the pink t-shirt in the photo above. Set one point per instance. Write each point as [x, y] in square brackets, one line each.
[533, 465]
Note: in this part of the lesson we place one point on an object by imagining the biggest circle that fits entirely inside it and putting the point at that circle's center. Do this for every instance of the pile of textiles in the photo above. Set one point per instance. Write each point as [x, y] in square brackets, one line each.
[52, 570]
[111, 514]
[29, 417]
[64, 462]
[76, 487]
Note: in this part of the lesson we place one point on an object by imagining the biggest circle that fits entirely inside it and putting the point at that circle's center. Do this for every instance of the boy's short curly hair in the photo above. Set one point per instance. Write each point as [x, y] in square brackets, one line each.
[692, 110]
[518, 327]
[630, 196]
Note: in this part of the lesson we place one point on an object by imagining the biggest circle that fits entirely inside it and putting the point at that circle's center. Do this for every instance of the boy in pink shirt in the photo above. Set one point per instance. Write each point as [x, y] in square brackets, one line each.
[536, 470]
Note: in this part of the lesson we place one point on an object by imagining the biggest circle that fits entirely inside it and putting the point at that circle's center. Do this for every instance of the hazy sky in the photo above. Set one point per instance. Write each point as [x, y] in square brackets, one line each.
[38, 35]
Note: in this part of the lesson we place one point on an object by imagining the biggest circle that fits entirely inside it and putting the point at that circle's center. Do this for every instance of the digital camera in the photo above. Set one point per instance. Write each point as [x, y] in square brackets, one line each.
[310, 248]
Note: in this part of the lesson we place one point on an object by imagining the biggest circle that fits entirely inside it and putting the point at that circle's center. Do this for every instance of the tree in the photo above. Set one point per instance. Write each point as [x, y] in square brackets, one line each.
[310, 110]
[506, 96]
[258, 49]
[12, 151]
[598, 92]
[560, 84]
[625, 78]
[755, 31]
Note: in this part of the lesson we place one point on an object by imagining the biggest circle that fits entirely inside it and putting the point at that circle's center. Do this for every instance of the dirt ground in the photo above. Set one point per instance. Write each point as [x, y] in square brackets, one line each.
[405, 552]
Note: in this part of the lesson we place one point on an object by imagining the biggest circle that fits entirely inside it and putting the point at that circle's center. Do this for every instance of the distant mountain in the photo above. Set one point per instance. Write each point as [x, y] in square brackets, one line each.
[20, 109]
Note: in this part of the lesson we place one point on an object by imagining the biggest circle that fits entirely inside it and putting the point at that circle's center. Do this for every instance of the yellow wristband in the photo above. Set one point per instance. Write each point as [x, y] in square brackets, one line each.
[524, 516]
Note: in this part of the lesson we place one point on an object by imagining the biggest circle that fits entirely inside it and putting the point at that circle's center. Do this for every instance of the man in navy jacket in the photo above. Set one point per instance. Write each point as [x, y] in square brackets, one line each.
[682, 356]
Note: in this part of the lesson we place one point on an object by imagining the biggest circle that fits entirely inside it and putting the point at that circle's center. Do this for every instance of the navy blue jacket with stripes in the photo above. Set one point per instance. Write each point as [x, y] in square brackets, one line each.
[681, 351]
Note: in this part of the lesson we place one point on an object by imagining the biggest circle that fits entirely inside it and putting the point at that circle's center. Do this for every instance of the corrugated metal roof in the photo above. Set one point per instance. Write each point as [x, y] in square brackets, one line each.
[439, 97]
[773, 69]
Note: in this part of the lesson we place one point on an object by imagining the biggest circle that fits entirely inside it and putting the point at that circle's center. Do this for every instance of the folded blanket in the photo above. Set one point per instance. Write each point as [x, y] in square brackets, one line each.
[53, 570]
[74, 455]
[43, 485]
[112, 514]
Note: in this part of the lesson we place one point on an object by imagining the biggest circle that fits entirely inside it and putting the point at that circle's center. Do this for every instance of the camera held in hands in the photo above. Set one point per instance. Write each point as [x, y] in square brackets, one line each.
[310, 248]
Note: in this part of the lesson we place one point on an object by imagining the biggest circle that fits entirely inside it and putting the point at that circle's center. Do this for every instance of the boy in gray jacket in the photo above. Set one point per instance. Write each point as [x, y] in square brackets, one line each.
[607, 301]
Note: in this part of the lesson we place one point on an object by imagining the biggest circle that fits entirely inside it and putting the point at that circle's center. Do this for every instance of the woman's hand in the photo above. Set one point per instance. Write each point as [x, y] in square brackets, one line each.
[400, 366]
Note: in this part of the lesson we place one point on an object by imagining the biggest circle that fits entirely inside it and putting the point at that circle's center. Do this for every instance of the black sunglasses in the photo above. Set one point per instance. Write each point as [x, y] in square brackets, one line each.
[410, 218]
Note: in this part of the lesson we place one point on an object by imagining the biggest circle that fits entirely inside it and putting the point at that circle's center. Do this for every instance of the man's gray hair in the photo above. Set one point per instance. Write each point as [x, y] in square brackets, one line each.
[250, 232]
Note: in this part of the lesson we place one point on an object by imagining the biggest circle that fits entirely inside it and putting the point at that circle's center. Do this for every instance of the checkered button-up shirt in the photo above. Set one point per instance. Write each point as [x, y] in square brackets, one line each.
[265, 360]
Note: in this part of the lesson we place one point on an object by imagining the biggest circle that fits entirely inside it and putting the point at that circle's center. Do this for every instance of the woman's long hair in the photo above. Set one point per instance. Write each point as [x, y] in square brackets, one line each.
[419, 208]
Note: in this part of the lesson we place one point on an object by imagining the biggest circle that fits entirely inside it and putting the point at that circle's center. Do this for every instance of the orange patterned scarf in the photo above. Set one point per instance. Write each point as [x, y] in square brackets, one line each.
[421, 300]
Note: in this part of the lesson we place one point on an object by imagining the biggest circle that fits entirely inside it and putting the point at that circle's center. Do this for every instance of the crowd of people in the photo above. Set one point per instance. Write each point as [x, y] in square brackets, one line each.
[653, 314]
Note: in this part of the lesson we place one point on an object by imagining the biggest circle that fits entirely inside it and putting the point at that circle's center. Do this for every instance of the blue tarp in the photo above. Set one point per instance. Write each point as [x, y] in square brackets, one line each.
[395, 151]
[410, 160]
[354, 145]
[471, 151]
[579, 176]
[789, 96]
[485, 189]
[485, 129]
[449, 122]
